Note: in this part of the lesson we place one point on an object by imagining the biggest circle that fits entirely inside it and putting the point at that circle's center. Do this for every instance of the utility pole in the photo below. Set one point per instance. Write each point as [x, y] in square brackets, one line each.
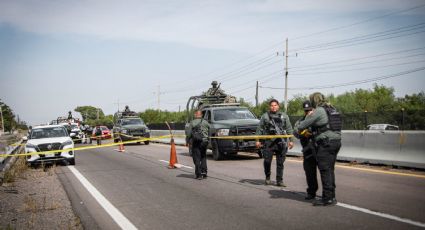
[286, 76]
[159, 98]
[97, 114]
[256, 95]
[2, 121]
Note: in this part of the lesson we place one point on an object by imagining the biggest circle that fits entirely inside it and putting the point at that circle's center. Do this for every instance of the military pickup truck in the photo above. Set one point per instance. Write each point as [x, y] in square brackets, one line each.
[226, 118]
[128, 126]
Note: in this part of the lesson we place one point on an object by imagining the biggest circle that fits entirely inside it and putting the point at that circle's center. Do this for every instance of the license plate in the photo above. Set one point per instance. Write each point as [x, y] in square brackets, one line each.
[248, 143]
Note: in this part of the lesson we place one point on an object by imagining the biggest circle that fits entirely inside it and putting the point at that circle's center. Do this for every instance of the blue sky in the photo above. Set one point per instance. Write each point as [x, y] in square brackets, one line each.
[57, 55]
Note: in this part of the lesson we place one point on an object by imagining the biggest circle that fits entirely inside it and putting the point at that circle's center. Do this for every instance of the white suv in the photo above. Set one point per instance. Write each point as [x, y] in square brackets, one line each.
[48, 138]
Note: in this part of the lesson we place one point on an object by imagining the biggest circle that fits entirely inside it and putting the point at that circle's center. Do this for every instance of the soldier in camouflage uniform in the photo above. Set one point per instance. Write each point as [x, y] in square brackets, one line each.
[327, 143]
[274, 122]
[199, 148]
[214, 90]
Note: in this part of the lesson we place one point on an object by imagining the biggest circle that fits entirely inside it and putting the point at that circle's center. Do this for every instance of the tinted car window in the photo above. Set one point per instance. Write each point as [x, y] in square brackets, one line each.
[48, 133]
[229, 114]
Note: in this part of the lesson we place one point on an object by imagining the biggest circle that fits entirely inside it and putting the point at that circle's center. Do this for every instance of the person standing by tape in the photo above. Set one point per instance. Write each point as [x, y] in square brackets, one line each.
[98, 134]
[309, 154]
[274, 122]
[326, 124]
[198, 139]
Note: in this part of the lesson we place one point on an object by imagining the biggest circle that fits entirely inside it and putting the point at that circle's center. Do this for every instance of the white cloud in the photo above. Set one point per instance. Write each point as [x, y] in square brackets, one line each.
[210, 24]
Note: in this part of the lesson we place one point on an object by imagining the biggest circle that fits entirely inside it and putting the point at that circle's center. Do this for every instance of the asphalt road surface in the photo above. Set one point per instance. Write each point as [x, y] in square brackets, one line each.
[135, 189]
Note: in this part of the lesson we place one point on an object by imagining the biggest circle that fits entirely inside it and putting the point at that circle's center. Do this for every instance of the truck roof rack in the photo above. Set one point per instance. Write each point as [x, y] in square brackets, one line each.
[221, 105]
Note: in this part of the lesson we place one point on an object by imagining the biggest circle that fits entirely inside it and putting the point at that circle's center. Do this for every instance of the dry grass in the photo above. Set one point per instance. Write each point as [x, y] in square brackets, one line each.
[17, 170]
[30, 204]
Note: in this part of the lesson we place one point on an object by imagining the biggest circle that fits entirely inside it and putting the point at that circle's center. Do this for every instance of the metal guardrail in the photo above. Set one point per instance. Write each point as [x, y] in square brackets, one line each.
[10, 151]
[395, 148]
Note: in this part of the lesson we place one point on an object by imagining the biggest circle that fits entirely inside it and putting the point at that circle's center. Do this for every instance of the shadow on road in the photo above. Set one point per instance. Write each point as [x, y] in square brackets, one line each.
[279, 194]
[189, 176]
[252, 181]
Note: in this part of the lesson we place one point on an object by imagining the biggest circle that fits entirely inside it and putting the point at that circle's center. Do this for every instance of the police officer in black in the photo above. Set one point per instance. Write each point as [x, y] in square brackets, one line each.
[309, 153]
[327, 137]
[274, 122]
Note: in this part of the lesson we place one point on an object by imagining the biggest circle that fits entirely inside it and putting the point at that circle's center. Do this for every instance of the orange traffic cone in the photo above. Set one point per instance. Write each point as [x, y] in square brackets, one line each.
[173, 155]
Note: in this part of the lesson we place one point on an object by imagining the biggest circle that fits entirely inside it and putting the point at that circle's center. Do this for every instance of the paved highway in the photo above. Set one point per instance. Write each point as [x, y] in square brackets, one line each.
[109, 190]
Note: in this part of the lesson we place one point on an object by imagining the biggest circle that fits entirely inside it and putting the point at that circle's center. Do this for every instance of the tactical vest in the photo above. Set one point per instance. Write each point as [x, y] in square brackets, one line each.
[276, 123]
[334, 120]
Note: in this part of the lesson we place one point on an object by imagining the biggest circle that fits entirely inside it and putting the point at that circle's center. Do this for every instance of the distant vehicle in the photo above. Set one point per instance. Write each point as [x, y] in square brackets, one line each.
[381, 127]
[49, 138]
[75, 133]
[106, 133]
[128, 126]
[226, 118]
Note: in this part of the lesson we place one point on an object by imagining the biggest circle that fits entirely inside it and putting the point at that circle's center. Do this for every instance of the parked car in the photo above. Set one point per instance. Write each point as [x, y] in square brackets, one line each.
[106, 133]
[381, 127]
[49, 138]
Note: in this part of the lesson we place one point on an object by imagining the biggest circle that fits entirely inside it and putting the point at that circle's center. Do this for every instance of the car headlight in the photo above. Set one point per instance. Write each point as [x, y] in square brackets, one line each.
[67, 143]
[31, 146]
[124, 131]
[223, 132]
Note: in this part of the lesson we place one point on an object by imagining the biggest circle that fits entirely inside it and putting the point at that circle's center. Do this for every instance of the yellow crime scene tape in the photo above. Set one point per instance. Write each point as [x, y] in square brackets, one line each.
[88, 147]
[259, 137]
[145, 139]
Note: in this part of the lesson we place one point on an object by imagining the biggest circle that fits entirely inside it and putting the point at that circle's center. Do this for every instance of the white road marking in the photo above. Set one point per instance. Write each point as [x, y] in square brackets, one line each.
[384, 215]
[177, 165]
[116, 215]
[370, 212]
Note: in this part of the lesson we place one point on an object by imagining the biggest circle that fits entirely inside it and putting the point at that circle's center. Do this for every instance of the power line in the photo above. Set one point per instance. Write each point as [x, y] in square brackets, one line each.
[364, 37]
[358, 23]
[359, 58]
[356, 69]
[361, 43]
[353, 82]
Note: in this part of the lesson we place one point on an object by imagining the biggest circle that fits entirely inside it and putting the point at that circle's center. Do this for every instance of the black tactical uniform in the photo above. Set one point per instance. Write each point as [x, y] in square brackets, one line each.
[274, 124]
[327, 145]
[309, 153]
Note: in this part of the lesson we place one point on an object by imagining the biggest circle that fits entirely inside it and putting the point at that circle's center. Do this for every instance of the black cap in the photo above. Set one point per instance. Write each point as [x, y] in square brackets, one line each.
[307, 105]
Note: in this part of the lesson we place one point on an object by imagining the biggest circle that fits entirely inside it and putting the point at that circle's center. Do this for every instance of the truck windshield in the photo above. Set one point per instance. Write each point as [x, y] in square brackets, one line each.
[132, 121]
[230, 114]
[48, 133]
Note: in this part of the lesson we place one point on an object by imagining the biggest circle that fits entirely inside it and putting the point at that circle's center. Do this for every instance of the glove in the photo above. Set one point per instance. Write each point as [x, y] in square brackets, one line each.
[306, 133]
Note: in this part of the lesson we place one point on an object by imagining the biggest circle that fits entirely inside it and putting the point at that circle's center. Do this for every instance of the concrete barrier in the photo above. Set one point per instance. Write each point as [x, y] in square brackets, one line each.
[396, 148]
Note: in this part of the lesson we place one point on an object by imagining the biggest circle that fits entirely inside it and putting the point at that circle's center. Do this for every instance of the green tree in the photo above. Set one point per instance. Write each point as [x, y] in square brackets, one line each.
[8, 117]
[89, 112]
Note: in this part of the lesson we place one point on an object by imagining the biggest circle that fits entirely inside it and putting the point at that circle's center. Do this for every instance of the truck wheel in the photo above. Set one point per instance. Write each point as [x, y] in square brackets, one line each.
[217, 155]
[72, 161]
[146, 142]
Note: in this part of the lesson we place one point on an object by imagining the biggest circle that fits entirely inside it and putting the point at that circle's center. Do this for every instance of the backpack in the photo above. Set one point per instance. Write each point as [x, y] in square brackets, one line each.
[334, 118]
[197, 135]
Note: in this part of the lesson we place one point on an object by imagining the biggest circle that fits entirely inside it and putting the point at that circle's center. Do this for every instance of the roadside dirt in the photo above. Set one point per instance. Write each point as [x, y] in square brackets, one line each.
[33, 198]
